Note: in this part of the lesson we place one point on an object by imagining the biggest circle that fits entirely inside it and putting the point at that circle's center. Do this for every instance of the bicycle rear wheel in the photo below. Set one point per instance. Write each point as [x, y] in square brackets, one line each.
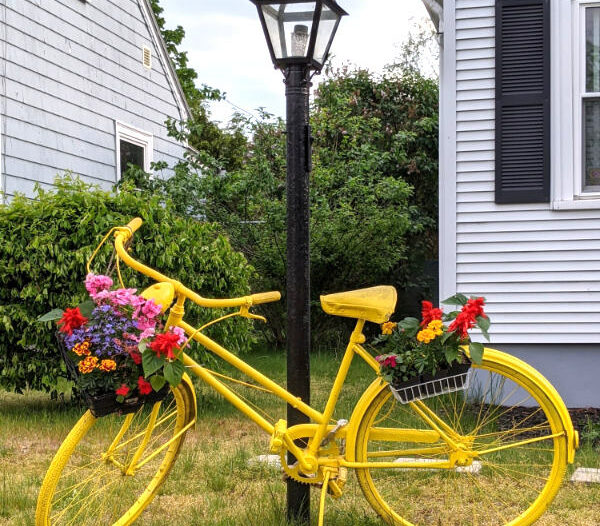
[509, 432]
[96, 478]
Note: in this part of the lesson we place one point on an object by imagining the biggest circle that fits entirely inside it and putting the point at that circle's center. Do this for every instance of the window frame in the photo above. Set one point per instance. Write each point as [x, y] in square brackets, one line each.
[138, 137]
[568, 80]
[581, 94]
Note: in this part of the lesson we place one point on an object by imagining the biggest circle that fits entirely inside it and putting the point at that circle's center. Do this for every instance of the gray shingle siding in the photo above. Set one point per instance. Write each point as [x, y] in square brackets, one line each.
[69, 70]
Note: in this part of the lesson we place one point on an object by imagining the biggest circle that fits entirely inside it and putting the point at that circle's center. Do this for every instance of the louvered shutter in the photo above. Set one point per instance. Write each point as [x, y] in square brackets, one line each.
[522, 101]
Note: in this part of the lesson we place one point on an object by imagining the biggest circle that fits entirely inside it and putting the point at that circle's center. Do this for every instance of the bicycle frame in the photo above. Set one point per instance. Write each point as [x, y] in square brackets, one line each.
[308, 459]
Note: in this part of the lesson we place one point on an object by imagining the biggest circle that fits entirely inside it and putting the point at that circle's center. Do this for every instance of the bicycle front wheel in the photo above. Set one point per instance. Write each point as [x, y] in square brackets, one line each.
[108, 469]
[509, 454]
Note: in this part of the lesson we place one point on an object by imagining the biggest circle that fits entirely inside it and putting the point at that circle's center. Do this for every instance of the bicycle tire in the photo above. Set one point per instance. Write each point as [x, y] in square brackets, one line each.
[85, 486]
[509, 487]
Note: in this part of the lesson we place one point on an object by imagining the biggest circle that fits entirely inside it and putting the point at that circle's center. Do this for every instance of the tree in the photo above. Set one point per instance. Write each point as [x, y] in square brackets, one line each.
[373, 189]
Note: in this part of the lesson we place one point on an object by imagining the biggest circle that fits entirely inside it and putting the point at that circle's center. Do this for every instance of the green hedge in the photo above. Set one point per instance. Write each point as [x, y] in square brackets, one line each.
[44, 246]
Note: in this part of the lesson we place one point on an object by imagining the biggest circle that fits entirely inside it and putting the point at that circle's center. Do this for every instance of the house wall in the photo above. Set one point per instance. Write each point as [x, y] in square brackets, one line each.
[538, 268]
[70, 69]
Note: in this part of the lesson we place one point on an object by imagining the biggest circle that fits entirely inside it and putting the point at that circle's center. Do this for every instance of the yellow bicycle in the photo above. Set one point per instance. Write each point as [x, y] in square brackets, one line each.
[492, 455]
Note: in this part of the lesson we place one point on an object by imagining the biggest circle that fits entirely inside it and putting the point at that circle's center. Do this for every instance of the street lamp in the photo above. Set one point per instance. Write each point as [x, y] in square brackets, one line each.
[299, 35]
[299, 32]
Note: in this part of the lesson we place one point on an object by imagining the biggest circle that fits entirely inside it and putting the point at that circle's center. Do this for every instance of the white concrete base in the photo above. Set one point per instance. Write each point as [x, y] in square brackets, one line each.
[271, 461]
[586, 475]
[474, 468]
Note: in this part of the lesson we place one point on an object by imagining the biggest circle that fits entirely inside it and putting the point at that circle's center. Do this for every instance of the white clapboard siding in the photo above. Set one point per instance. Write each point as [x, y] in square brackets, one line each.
[70, 70]
[539, 269]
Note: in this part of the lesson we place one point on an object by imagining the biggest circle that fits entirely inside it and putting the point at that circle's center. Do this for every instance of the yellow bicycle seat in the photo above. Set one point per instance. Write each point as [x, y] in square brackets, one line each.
[375, 304]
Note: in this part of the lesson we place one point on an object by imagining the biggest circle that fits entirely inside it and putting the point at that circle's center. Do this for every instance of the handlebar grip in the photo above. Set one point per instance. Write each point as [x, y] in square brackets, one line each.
[265, 297]
[134, 224]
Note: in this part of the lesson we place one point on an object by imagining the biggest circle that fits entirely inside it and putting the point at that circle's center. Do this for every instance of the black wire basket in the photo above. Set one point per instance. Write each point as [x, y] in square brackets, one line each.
[106, 403]
[455, 378]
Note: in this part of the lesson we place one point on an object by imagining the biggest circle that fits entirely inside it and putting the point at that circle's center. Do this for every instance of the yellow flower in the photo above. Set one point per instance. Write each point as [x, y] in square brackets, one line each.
[388, 327]
[82, 348]
[87, 365]
[436, 327]
[426, 335]
[107, 365]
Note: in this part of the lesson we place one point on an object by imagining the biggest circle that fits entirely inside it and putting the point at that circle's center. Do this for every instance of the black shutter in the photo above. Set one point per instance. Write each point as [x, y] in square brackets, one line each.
[522, 101]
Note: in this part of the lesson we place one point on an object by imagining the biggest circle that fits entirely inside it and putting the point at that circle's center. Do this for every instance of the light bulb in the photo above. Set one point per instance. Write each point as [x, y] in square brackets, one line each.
[299, 40]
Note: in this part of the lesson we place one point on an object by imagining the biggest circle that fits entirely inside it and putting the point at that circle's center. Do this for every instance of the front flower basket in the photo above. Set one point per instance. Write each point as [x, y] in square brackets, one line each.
[106, 403]
[455, 378]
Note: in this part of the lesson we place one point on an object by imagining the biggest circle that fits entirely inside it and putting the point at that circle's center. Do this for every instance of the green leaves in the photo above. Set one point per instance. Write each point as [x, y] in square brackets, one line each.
[484, 325]
[457, 299]
[53, 315]
[157, 382]
[151, 363]
[173, 372]
[410, 325]
[476, 352]
[86, 308]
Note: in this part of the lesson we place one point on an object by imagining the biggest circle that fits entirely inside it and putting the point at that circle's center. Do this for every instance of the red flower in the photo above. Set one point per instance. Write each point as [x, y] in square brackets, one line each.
[135, 356]
[123, 390]
[475, 307]
[462, 324]
[429, 313]
[390, 361]
[164, 343]
[467, 317]
[71, 319]
[144, 387]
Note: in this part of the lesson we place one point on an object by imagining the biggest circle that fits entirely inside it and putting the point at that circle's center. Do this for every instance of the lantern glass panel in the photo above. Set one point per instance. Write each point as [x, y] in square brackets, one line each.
[327, 26]
[289, 26]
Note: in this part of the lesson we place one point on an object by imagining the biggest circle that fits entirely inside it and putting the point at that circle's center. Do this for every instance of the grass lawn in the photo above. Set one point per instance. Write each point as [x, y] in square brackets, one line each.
[211, 483]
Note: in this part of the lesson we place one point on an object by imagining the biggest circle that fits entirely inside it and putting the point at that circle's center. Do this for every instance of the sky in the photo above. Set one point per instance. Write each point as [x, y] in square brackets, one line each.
[227, 47]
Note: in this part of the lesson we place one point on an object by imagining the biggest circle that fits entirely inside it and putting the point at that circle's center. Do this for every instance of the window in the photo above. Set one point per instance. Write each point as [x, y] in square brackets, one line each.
[134, 146]
[575, 151]
[590, 100]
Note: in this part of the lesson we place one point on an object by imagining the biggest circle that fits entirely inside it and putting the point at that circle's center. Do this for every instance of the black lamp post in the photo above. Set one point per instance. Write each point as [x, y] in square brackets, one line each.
[299, 34]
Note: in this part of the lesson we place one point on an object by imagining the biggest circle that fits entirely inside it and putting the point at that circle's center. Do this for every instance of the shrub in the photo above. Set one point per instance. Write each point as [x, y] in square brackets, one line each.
[46, 243]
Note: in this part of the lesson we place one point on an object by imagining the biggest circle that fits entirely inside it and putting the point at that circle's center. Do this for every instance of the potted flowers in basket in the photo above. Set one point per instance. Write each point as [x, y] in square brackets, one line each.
[116, 348]
[426, 358]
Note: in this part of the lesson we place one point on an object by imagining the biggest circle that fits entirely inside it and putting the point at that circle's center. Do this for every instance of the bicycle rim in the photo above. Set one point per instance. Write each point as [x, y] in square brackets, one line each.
[94, 479]
[502, 408]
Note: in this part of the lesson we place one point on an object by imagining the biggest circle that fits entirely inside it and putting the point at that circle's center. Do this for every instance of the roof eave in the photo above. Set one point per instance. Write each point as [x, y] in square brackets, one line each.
[435, 8]
[171, 73]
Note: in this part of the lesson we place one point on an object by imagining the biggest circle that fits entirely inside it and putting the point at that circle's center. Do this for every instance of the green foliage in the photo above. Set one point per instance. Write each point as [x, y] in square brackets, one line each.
[591, 433]
[373, 190]
[46, 243]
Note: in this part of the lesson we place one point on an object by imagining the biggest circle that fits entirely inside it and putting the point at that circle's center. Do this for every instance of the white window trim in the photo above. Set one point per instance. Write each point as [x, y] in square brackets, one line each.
[136, 136]
[568, 79]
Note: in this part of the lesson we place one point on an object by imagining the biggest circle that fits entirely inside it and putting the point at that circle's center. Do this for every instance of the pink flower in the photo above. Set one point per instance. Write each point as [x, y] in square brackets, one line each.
[123, 296]
[101, 296]
[151, 309]
[181, 333]
[132, 337]
[143, 324]
[147, 333]
[97, 283]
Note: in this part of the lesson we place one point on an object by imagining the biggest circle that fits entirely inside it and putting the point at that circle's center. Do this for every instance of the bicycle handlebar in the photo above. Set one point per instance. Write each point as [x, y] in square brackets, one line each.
[134, 224]
[123, 234]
